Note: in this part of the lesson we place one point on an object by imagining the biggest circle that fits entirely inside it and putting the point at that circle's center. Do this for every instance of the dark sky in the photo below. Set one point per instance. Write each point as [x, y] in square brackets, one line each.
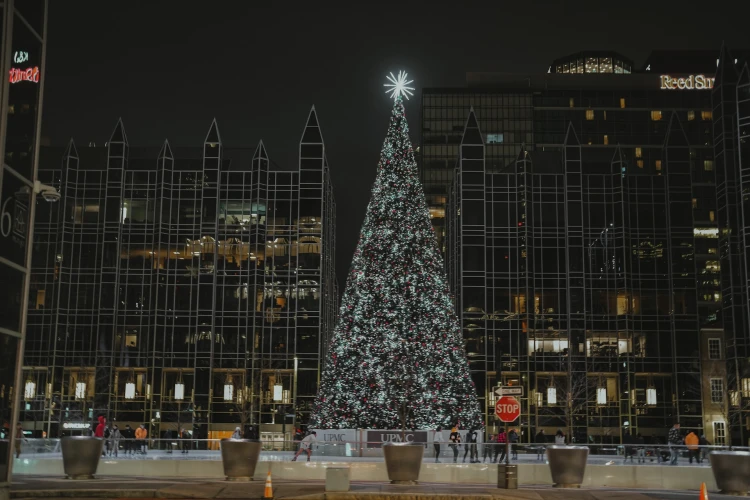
[168, 67]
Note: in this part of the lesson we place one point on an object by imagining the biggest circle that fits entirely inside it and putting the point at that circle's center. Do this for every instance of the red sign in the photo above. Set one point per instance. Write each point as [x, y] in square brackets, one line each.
[21, 75]
[507, 409]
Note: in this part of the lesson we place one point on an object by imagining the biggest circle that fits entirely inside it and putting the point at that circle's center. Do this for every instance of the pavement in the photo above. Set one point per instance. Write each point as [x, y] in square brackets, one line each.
[28, 487]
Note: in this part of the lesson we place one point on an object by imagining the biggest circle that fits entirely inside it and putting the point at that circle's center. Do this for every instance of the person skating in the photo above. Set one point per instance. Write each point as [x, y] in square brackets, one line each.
[127, 436]
[692, 441]
[559, 437]
[487, 448]
[306, 445]
[502, 440]
[640, 442]
[437, 439]
[627, 441]
[471, 446]
[540, 439]
[704, 444]
[100, 430]
[185, 441]
[237, 434]
[19, 438]
[675, 440]
[513, 439]
[455, 442]
[114, 440]
[140, 438]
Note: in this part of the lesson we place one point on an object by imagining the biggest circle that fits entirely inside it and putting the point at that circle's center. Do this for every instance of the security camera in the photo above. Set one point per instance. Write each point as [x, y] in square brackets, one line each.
[49, 193]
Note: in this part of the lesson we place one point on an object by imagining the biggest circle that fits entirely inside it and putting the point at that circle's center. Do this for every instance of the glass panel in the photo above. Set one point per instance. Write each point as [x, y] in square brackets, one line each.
[8, 352]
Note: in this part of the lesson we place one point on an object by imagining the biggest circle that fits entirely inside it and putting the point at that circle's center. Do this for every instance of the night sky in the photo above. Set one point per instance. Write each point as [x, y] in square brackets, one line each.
[167, 68]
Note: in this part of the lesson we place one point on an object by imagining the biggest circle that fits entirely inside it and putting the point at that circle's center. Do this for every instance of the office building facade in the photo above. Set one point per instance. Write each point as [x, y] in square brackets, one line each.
[583, 244]
[22, 60]
[188, 288]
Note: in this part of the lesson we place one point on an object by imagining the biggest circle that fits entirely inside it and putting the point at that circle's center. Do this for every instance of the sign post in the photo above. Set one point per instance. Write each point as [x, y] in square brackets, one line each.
[507, 409]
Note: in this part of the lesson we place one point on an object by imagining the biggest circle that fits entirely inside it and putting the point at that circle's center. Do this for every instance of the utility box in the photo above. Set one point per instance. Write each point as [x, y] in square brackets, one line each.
[507, 476]
[338, 478]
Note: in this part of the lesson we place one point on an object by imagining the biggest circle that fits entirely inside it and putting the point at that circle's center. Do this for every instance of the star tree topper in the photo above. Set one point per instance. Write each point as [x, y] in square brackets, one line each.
[398, 85]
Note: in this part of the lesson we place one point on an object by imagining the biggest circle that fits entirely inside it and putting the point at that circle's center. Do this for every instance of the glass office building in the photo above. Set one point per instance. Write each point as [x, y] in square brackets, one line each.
[189, 288]
[22, 60]
[582, 238]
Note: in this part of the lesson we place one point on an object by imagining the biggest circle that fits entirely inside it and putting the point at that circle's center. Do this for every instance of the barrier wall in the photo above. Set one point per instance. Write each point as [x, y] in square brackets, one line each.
[623, 476]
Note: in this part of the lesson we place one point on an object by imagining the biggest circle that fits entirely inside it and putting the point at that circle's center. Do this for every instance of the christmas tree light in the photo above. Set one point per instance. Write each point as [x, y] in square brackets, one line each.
[398, 340]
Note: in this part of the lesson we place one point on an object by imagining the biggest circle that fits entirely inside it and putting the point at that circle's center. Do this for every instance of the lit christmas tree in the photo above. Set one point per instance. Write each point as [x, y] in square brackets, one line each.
[398, 342]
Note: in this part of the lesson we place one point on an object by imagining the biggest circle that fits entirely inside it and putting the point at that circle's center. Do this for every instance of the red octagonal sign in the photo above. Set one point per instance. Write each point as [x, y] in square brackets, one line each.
[507, 409]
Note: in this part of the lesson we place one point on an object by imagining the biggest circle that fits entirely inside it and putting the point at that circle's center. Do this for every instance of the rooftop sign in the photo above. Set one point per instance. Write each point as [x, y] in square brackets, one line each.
[692, 82]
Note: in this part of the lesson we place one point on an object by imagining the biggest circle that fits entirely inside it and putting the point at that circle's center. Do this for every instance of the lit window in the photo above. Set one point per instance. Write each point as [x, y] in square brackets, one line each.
[495, 138]
[572, 102]
[707, 115]
[658, 165]
[656, 116]
[746, 387]
[734, 398]
[717, 390]
[708, 165]
[691, 115]
[639, 163]
[638, 153]
[589, 114]
[714, 348]
[720, 433]
[551, 395]
[606, 139]
[622, 102]
[592, 65]
[695, 202]
[712, 216]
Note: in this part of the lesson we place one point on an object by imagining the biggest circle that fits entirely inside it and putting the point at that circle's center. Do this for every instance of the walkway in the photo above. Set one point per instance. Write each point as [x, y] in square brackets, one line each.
[197, 488]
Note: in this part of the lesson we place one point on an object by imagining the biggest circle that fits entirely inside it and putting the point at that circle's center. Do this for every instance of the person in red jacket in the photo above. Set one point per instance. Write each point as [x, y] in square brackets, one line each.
[99, 432]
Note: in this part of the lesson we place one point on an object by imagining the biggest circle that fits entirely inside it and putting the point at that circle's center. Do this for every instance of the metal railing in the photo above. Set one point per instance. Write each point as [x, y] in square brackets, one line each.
[353, 451]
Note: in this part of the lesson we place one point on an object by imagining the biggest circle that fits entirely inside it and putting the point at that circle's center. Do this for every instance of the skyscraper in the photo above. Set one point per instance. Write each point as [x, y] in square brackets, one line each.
[587, 267]
[189, 287]
[23, 47]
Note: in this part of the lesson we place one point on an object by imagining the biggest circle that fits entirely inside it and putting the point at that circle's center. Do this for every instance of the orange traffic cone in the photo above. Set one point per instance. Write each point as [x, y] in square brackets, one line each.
[268, 493]
[704, 493]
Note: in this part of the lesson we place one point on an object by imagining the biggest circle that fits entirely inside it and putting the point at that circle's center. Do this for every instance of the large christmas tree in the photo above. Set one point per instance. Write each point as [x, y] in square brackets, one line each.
[398, 342]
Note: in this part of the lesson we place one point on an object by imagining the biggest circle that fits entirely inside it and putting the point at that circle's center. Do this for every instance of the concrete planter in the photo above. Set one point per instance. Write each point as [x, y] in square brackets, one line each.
[81, 456]
[732, 471]
[403, 462]
[567, 465]
[239, 458]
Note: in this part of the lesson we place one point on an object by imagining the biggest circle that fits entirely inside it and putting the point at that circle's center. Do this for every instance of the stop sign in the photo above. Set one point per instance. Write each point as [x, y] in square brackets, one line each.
[507, 409]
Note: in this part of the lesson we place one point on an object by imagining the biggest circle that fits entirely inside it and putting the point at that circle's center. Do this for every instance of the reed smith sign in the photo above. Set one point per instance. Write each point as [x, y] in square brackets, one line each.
[692, 82]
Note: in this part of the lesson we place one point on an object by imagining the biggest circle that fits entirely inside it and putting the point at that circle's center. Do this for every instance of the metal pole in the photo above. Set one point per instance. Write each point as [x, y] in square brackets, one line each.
[507, 445]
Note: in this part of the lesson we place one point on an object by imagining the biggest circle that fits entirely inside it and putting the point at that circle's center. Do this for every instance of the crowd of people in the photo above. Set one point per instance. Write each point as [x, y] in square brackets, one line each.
[135, 441]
